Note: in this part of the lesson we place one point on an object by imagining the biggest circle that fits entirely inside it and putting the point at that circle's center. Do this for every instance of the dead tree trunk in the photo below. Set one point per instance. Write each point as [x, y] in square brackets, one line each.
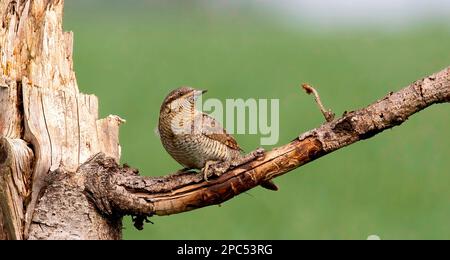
[46, 126]
[59, 172]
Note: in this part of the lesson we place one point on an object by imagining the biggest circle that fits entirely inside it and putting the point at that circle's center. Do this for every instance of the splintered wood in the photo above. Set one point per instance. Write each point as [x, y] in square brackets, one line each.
[44, 121]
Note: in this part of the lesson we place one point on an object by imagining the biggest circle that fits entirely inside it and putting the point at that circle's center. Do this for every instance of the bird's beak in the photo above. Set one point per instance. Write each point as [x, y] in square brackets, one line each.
[204, 91]
[198, 93]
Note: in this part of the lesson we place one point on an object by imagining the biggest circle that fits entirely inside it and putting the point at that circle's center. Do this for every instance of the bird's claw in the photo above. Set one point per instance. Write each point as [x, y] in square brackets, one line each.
[205, 175]
[218, 168]
[215, 168]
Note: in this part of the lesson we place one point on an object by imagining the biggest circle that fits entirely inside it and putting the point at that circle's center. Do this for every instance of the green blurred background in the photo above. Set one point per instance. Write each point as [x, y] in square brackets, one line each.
[395, 185]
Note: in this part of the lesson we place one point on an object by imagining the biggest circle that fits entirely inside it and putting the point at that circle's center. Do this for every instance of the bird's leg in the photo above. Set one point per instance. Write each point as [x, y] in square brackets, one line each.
[207, 168]
[219, 168]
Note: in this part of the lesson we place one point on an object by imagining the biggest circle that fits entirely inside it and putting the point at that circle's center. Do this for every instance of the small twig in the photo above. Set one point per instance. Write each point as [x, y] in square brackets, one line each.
[328, 114]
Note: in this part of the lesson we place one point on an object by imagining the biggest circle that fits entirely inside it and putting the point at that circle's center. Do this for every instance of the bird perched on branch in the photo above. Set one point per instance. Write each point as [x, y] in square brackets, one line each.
[195, 139]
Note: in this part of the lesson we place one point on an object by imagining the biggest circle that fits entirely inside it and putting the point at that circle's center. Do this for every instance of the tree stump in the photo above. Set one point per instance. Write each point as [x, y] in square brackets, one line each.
[46, 126]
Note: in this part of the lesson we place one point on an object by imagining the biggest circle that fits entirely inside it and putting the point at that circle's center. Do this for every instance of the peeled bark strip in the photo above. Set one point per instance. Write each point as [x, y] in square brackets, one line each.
[41, 109]
[15, 173]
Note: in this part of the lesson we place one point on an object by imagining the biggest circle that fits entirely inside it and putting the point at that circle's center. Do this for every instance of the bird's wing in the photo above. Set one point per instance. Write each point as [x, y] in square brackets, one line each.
[212, 129]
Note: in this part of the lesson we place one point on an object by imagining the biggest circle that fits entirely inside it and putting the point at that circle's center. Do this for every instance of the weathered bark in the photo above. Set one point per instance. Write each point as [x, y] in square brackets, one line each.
[45, 123]
[64, 212]
[15, 172]
[59, 172]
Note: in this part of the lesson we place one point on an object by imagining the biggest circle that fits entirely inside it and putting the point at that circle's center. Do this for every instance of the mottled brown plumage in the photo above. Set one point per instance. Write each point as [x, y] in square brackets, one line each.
[212, 129]
[191, 137]
[195, 139]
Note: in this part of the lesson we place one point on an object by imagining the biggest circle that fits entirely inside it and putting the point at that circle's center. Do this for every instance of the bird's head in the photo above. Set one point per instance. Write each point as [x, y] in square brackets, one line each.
[180, 98]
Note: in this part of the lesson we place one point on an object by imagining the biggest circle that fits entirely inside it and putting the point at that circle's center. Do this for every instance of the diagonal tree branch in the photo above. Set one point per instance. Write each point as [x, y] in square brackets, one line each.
[119, 190]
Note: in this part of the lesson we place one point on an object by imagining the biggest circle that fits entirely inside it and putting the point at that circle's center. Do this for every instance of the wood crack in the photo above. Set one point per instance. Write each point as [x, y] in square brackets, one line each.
[46, 128]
